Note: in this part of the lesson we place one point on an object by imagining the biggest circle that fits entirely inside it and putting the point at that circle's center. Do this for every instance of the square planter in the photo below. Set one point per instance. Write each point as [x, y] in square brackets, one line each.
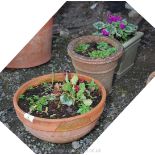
[130, 51]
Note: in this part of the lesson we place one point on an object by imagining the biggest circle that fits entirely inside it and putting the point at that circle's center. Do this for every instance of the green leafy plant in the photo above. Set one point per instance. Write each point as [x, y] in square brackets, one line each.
[101, 50]
[72, 92]
[102, 54]
[36, 103]
[82, 47]
[76, 93]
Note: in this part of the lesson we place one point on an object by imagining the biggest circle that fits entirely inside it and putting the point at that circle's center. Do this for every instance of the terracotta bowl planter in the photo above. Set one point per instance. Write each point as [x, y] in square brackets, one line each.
[151, 76]
[100, 69]
[59, 130]
[37, 51]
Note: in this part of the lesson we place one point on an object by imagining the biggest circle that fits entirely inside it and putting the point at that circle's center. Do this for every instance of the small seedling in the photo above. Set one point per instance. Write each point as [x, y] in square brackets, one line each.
[82, 47]
[92, 85]
[83, 109]
[22, 96]
[45, 84]
[36, 103]
[102, 54]
[31, 88]
[102, 46]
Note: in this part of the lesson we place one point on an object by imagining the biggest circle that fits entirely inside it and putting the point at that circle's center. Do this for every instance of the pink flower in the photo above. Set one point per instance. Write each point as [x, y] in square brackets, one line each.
[112, 18]
[122, 26]
[105, 32]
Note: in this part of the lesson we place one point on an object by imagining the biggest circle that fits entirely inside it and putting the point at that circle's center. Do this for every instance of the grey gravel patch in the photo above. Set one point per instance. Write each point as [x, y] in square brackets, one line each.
[76, 145]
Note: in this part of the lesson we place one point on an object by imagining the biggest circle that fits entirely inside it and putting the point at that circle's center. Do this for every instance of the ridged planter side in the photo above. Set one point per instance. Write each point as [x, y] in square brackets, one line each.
[129, 54]
[37, 51]
[100, 69]
[151, 76]
[59, 130]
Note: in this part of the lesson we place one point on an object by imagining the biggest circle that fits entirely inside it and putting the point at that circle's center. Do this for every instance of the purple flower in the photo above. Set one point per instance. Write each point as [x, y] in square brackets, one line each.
[105, 32]
[122, 26]
[112, 18]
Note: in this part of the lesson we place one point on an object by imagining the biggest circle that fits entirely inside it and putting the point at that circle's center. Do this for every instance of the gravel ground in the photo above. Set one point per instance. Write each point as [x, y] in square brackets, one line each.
[65, 28]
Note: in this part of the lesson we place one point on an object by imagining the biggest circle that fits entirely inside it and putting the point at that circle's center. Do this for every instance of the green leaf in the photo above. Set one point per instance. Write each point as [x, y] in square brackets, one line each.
[130, 28]
[82, 47]
[80, 93]
[82, 87]
[35, 97]
[22, 96]
[39, 108]
[67, 87]
[74, 79]
[99, 25]
[83, 109]
[124, 21]
[31, 88]
[45, 84]
[87, 102]
[102, 45]
[92, 85]
[66, 100]
[51, 97]
[111, 50]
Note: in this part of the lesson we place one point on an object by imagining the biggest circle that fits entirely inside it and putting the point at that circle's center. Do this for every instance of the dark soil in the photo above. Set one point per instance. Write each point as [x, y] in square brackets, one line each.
[92, 47]
[55, 108]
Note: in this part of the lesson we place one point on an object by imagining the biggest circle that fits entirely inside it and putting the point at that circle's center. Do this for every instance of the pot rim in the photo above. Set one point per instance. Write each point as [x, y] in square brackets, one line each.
[91, 38]
[29, 83]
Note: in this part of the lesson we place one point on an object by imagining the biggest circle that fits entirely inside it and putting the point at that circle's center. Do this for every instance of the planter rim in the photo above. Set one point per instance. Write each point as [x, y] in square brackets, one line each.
[29, 83]
[137, 36]
[94, 38]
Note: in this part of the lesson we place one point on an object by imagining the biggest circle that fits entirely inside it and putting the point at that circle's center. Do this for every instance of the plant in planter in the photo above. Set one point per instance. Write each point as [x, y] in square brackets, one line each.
[118, 28]
[95, 50]
[96, 56]
[60, 108]
[37, 51]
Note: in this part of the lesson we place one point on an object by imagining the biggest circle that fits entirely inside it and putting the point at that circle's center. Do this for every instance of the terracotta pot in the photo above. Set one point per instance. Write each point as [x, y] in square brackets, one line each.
[101, 69]
[151, 76]
[37, 51]
[59, 130]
